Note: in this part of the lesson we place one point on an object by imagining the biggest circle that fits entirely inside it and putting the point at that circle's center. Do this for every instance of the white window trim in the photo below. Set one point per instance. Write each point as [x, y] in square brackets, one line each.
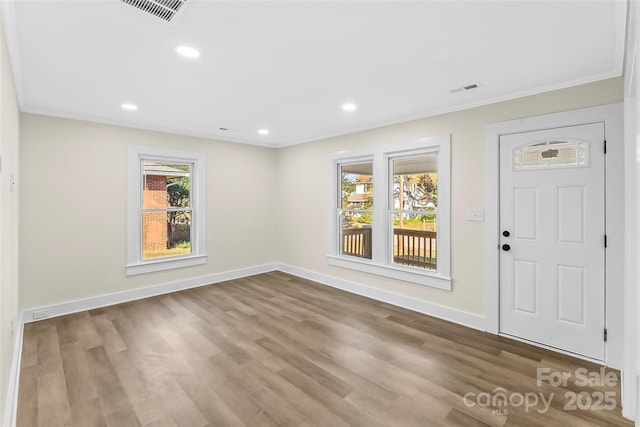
[135, 263]
[381, 264]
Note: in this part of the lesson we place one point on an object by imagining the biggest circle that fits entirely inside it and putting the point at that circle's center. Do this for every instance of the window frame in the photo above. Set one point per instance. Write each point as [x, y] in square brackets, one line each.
[382, 258]
[136, 264]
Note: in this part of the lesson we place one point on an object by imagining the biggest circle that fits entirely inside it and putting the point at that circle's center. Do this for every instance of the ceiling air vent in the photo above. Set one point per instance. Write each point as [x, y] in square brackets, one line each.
[164, 9]
[465, 88]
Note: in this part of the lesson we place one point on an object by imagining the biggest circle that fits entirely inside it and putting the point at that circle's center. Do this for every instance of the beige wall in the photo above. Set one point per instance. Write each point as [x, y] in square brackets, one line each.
[9, 134]
[304, 184]
[73, 208]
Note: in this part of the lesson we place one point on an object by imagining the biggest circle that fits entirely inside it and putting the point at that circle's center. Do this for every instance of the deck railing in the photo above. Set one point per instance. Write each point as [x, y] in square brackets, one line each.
[357, 242]
[414, 247]
[410, 247]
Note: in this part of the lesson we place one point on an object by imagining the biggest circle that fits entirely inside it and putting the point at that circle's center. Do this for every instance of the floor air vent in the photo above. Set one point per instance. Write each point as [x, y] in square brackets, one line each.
[164, 9]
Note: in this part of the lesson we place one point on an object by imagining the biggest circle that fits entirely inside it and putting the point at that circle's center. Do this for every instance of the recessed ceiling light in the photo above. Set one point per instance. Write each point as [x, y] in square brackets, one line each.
[349, 106]
[263, 131]
[129, 107]
[188, 51]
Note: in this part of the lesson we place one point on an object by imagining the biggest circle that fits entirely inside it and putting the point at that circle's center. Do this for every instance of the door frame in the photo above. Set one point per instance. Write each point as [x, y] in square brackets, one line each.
[612, 116]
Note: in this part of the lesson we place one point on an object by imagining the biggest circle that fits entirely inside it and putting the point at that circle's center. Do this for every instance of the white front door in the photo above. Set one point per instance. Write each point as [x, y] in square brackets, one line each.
[552, 243]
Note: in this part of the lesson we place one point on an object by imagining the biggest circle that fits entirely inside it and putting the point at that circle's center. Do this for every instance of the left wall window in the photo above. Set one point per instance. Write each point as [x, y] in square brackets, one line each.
[166, 209]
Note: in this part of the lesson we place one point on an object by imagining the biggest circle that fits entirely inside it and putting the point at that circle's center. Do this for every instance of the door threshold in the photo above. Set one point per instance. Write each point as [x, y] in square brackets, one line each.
[554, 349]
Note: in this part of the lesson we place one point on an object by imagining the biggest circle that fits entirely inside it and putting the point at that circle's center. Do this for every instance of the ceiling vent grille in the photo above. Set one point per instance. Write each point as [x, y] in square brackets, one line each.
[465, 88]
[163, 9]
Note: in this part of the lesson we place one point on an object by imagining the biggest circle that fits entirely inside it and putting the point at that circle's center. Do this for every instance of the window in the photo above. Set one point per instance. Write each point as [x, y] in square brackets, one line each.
[413, 214]
[551, 154]
[402, 229]
[356, 208]
[166, 209]
[166, 216]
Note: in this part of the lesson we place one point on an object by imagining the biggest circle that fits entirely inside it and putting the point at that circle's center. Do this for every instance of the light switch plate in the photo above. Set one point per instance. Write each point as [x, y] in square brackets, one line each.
[475, 214]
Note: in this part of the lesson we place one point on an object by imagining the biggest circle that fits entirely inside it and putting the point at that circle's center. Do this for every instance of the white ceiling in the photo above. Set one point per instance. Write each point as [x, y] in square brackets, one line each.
[289, 66]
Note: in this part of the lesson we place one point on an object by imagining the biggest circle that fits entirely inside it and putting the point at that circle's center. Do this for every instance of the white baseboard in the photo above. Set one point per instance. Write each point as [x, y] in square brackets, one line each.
[139, 293]
[442, 312]
[11, 403]
[460, 317]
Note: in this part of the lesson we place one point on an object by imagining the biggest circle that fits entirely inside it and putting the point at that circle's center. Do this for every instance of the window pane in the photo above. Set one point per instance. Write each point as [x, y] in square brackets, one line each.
[414, 240]
[550, 154]
[415, 183]
[166, 234]
[166, 185]
[356, 186]
[355, 234]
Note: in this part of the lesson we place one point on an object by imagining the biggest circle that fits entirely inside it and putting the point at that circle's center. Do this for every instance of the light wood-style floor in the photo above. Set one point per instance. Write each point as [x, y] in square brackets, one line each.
[275, 349]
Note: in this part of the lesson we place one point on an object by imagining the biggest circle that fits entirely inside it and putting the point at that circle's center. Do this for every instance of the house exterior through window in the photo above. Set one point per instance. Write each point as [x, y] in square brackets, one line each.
[356, 208]
[166, 209]
[414, 210]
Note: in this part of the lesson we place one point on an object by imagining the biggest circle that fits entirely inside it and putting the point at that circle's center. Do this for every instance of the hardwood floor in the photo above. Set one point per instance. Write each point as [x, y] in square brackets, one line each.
[275, 349]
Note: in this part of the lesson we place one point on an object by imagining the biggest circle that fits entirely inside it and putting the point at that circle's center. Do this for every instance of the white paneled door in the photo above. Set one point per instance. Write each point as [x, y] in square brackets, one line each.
[552, 243]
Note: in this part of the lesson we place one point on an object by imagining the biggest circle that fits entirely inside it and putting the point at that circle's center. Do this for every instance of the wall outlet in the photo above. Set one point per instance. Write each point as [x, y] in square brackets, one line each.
[40, 314]
[475, 214]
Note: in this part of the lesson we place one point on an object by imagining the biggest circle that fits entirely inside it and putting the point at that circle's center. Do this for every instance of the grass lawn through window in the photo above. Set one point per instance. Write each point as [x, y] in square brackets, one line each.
[182, 248]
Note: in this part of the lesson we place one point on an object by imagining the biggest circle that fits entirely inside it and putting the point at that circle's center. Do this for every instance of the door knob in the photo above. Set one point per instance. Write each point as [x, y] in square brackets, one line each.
[505, 233]
[506, 247]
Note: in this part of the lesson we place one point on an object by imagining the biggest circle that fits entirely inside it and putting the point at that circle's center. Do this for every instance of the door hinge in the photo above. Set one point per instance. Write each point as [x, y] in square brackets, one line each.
[605, 240]
[605, 334]
[605, 146]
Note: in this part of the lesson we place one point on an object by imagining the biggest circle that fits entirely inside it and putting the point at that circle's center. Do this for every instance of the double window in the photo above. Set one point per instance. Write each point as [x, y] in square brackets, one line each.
[166, 223]
[400, 230]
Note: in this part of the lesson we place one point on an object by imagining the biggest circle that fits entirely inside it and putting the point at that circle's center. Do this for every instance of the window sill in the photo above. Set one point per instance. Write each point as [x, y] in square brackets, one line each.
[426, 278]
[165, 264]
